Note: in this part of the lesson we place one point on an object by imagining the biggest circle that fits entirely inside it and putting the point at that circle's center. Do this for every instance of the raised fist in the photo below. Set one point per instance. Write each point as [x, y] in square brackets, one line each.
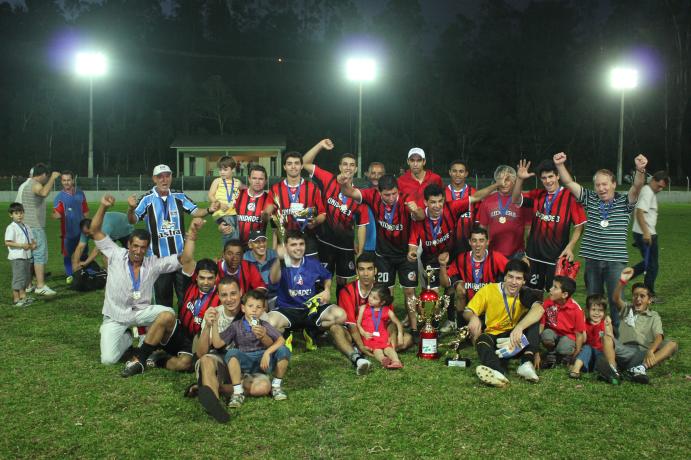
[559, 158]
[326, 144]
[108, 200]
[641, 163]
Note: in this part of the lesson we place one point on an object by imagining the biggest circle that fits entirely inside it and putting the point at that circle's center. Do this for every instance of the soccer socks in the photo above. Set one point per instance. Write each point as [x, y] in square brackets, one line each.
[354, 356]
[144, 352]
[276, 383]
[238, 390]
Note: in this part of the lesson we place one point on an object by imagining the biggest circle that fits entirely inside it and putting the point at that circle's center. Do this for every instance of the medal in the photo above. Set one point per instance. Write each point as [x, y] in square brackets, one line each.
[604, 223]
[502, 220]
[136, 281]
[136, 295]
[604, 213]
[503, 208]
[375, 334]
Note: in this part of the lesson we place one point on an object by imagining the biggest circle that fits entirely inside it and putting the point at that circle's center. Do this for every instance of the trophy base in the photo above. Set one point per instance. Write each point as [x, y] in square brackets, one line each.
[428, 346]
[458, 362]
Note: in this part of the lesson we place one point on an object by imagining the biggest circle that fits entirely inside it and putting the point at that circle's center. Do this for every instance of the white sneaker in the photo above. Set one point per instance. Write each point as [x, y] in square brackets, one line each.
[31, 288]
[491, 377]
[362, 366]
[45, 291]
[527, 371]
[20, 303]
[448, 326]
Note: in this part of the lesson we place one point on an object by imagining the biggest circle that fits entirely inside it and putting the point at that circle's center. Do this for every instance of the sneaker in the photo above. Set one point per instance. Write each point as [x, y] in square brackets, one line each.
[132, 368]
[156, 359]
[28, 300]
[447, 327]
[491, 377]
[550, 360]
[289, 342]
[236, 400]
[30, 289]
[69, 280]
[362, 366]
[45, 291]
[20, 303]
[527, 371]
[606, 373]
[638, 374]
[310, 340]
[278, 394]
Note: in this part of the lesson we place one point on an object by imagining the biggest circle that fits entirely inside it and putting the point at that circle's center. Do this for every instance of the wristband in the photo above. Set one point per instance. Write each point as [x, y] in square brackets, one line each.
[623, 282]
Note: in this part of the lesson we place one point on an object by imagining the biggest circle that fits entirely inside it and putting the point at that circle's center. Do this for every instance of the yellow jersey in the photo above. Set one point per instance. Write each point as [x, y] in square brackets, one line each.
[227, 193]
[489, 301]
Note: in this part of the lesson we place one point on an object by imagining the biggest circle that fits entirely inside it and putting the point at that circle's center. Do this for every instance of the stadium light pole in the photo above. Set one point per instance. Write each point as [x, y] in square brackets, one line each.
[622, 79]
[360, 70]
[91, 64]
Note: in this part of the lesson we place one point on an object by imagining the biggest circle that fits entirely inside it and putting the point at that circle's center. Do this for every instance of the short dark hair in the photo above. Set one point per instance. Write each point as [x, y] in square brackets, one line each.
[596, 299]
[40, 169]
[384, 294]
[460, 162]
[546, 166]
[208, 265]
[476, 228]
[517, 265]
[292, 154]
[567, 284]
[661, 176]
[67, 172]
[387, 182]
[234, 242]
[140, 234]
[85, 222]
[227, 162]
[348, 155]
[433, 190]
[295, 235]
[255, 294]
[366, 257]
[228, 280]
[260, 168]
[16, 207]
[640, 285]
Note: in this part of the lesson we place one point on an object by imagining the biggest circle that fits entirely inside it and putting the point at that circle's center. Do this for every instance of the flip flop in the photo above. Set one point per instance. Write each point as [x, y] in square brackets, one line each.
[574, 375]
[212, 405]
[386, 362]
[191, 391]
[395, 365]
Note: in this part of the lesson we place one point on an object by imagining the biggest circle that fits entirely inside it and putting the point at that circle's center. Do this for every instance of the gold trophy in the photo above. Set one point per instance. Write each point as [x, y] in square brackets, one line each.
[455, 345]
[280, 220]
[429, 307]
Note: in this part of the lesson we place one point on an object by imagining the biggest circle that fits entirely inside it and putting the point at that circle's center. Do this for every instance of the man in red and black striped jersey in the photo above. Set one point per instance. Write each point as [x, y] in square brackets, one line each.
[251, 204]
[232, 264]
[471, 270]
[296, 195]
[336, 238]
[394, 216]
[554, 210]
[457, 190]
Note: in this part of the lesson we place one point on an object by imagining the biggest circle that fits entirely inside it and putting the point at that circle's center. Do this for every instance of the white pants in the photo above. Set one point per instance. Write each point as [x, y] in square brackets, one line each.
[114, 339]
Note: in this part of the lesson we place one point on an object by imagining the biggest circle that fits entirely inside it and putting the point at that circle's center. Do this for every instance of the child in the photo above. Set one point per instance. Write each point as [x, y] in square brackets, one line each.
[641, 343]
[372, 323]
[563, 323]
[597, 326]
[20, 242]
[259, 346]
[225, 190]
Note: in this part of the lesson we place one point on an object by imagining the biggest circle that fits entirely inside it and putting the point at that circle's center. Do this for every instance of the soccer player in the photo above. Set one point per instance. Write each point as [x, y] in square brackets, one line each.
[471, 271]
[70, 208]
[554, 210]
[374, 172]
[300, 202]
[233, 264]
[394, 215]
[458, 190]
[414, 181]
[337, 250]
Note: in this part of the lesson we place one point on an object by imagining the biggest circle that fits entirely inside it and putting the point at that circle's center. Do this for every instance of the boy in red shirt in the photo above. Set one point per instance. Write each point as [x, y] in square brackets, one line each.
[563, 323]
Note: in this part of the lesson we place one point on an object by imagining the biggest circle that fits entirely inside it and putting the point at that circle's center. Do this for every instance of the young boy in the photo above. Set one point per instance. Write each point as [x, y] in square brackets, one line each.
[225, 190]
[641, 343]
[259, 346]
[20, 242]
[597, 326]
[563, 323]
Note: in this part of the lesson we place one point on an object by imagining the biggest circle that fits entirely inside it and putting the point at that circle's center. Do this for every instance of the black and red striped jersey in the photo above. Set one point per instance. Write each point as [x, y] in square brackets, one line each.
[249, 213]
[193, 306]
[475, 274]
[350, 298]
[341, 212]
[467, 219]
[393, 223]
[305, 195]
[247, 274]
[438, 235]
[552, 217]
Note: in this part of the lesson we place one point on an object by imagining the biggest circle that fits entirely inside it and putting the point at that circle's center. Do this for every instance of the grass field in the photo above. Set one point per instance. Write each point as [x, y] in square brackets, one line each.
[58, 400]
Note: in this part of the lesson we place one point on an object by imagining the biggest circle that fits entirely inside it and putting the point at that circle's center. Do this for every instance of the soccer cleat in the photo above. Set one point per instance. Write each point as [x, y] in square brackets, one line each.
[362, 366]
[527, 371]
[132, 368]
[236, 400]
[606, 373]
[638, 374]
[156, 359]
[45, 291]
[289, 342]
[69, 280]
[310, 340]
[278, 394]
[550, 360]
[491, 377]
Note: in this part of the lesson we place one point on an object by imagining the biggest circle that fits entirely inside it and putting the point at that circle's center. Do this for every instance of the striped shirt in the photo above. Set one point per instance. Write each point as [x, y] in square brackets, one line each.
[34, 206]
[605, 243]
[165, 220]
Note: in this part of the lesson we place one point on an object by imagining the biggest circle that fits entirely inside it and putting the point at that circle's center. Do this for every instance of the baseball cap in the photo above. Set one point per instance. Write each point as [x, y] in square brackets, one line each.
[255, 235]
[160, 169]
[416, 151]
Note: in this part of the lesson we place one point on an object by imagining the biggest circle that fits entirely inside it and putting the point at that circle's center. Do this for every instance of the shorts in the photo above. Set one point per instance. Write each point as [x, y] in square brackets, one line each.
[41, 251]
[541, 275]
[311, 245]
[632, 354]
[21, 273]
[250, 360]
[563, 345]
[301, 318]
[387, 267]
[338, 261]
[221, 369]
[178, 343]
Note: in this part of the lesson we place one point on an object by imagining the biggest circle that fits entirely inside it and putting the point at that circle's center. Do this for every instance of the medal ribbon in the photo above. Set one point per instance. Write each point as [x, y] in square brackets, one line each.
[164, 208]
[229, 195]
[478, 271]
[460, 194]
[25, 231]
[294, 197]
[550, 198]
[136, 281]
[388, 216]
[604, 211]
[376, 319]
[344, 199]
[503, 208]
[434, 226]
[200, 301]
[506, 304]
[237, 273]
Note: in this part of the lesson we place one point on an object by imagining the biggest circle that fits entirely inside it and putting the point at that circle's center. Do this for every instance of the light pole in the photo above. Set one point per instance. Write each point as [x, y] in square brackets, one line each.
[622, 79]
[91, 64]
[360, 70]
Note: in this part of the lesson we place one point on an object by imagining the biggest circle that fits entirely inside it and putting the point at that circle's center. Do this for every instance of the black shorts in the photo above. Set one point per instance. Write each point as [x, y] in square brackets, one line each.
[311, 245]
[340, 262]
[301, 318]
[541, 275]
[387, 267]
[179, 342]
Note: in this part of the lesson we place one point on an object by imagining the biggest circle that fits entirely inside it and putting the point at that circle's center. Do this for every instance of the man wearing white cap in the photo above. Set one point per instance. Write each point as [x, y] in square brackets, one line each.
[414, 181]
[163, 208]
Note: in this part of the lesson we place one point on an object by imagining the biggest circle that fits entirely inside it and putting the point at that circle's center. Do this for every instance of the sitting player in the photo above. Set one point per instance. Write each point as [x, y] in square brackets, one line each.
[597, 326]
[372, 323]
[258, 346]
[563, 324]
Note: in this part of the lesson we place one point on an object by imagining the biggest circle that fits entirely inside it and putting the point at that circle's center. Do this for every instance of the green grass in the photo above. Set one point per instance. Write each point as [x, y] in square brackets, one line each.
[59, 401]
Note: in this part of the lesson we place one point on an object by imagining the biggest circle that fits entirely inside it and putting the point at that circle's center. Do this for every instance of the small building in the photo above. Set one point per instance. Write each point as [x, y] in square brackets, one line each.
[198, 155]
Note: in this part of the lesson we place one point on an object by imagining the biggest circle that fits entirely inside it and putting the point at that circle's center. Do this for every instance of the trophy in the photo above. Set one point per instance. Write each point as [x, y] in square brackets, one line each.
[455, 345]
[302, 215]
[429, 307]
[280, 220]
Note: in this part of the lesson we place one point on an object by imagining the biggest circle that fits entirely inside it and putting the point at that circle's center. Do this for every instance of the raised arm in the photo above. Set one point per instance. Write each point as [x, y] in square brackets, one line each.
[187, 257]
[275, 273]
[564, 176]
[97, 222]
[639, 178]
[626, 275]
[444, 279]
[308, 158]
[347, 188]
[522, 173]
[131, 206]
[44, 190]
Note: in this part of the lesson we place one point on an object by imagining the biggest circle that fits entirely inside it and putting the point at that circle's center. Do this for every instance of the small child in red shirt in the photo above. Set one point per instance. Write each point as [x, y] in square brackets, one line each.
[563, 324]
[597, 326]
[373, 319]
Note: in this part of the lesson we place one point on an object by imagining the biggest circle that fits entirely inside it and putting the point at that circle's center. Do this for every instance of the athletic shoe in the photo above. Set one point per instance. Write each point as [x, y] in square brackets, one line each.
[28, 300]
[527, 371]
[448, 326]
[236, 400]
[605, 372]
[20, 303]
[362, 366]
[289, 342]
[550, 360]
[212, 405]
[278, 394]
[132, 368]
[310, 339]
[69, 280]
[491, 377]
[30, 289]
[45, 291]
[638, 374]
[155, 359]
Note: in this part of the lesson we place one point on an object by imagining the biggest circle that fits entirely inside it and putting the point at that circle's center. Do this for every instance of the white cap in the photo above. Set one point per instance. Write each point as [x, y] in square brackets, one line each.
[416, 151]
[160, 169]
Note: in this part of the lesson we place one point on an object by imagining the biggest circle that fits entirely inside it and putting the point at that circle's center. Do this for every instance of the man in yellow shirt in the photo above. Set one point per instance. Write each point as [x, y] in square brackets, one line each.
[512, 317]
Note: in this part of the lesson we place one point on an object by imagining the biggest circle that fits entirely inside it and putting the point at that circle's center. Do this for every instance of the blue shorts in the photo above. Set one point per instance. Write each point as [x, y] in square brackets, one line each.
[250, 360]
[41, 252]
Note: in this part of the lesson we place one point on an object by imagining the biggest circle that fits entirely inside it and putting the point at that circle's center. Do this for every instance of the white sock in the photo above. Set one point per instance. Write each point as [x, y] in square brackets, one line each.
[238, 390]
[276, 382]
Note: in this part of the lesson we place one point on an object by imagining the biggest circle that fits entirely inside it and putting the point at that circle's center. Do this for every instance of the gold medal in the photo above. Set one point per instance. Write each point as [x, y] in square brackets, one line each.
[502, 220]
